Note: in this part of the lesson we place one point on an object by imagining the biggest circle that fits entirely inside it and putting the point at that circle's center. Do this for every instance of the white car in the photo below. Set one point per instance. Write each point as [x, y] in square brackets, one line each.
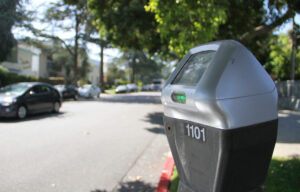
[132, 87]
[122, 89]
[89, 91]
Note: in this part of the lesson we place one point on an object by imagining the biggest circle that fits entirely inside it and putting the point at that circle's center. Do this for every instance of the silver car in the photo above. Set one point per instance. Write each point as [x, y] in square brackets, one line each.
[122, 89]
[89, 91]
[132, 87]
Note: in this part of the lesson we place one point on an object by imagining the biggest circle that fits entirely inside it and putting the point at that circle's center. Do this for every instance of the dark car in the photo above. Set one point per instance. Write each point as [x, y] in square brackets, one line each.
[68, 91]
[21, 99]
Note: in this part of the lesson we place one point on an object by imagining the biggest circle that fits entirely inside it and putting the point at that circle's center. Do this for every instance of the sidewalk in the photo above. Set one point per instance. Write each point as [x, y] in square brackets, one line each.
[144, 175]
[288, 140]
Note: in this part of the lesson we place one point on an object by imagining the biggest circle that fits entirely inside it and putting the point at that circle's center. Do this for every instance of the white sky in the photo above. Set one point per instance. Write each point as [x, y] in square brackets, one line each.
[93, 50]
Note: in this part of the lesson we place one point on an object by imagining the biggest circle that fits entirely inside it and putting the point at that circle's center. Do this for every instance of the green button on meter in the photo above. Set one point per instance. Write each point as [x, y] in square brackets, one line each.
[179, 97]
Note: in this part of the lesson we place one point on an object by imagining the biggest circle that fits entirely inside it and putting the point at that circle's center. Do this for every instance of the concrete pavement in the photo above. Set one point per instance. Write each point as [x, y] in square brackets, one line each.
[288, 140]
[115, 143]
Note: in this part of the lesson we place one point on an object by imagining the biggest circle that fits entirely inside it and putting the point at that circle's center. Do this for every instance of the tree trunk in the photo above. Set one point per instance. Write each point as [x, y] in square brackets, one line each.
[101, 67]
[133, 70]
[293, 51]
[77, 20]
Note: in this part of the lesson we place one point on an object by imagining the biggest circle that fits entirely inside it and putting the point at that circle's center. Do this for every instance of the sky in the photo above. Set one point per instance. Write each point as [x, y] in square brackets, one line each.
[93, 50]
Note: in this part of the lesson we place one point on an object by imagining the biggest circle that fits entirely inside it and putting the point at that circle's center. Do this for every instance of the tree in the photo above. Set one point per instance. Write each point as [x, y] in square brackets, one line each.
[77, 13]
[279, 59]
[116, 71]
[279, 12]
[89, 31]
[140, 67]
[65, 17]
[59, 57]
[8, 16]
[185, 24]
[126, 24]
[242, 17]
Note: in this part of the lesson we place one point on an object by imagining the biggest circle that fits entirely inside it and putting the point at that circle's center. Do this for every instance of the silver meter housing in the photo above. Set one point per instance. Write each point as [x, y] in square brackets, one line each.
[220, 116]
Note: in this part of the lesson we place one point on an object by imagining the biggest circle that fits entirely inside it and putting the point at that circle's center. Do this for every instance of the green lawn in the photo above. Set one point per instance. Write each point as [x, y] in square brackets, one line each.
[110, 91]
[174, 181]
[283, 176]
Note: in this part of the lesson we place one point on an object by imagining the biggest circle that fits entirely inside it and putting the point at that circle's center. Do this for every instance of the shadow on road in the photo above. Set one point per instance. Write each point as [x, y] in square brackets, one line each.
[131, 186]
[155, 118]
[288, 127]
[32, 117]
[130, 98]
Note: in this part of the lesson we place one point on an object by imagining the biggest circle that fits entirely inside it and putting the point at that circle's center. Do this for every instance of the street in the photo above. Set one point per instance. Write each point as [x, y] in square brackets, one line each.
[114, 143]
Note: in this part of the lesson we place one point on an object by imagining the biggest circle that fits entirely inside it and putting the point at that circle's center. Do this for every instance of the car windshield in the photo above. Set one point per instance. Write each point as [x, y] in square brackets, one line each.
[14, 89]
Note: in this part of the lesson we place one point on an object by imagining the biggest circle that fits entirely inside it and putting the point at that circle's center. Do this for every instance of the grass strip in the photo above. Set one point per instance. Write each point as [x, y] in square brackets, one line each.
[110, 91]
[283, 176]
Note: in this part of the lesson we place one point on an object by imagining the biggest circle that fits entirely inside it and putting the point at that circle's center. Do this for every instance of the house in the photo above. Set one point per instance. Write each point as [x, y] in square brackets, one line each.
[27, 60]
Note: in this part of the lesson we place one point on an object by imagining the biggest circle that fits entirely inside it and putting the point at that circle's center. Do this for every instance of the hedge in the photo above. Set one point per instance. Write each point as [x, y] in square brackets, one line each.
[7, 78]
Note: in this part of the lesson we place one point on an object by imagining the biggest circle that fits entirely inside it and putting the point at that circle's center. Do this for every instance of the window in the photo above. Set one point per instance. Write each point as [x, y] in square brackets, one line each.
[45, 89]
[194, 68]
[40, 89]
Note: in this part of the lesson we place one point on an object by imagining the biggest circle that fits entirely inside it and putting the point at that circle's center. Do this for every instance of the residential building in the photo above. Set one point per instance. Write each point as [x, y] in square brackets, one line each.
[27, 60]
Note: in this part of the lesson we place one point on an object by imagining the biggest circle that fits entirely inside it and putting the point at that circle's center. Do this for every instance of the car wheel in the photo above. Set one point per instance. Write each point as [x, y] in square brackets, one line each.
[76, 97]
[56, 107]
[21, 112]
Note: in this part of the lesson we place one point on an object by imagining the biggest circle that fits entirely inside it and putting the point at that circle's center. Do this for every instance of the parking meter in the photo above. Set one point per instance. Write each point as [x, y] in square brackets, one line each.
[220, 116]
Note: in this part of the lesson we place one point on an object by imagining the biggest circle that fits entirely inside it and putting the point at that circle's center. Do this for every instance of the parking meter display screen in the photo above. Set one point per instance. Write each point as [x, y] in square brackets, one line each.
[193, 70]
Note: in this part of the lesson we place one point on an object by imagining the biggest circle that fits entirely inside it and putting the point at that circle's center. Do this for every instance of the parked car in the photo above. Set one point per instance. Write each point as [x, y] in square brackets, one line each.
[132, 87]
[89, 91]
[157, 84]
[68, 91]
[146, 88]
[19, 100]
[122, 89]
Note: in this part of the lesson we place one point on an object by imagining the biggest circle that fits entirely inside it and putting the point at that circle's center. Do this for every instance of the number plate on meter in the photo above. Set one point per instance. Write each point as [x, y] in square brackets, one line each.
[195, 132]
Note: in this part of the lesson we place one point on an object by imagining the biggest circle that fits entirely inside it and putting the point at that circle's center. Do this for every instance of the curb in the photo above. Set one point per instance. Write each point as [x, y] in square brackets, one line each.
[166, 174]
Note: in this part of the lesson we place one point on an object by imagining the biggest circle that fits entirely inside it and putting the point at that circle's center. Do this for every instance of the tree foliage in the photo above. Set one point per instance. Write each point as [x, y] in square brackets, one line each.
[243, 16]
[8, 16]
[279, 63]
[126, 24]
[185, 23]
[141, 67]
[66, 15]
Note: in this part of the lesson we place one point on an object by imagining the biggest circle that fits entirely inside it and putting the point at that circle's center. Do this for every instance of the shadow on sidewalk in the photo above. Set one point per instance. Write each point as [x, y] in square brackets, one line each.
[132, 99]
[131, 186]
[288, 127]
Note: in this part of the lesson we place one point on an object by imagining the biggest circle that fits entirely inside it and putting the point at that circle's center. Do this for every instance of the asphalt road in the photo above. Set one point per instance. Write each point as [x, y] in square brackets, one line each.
[115, 143]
